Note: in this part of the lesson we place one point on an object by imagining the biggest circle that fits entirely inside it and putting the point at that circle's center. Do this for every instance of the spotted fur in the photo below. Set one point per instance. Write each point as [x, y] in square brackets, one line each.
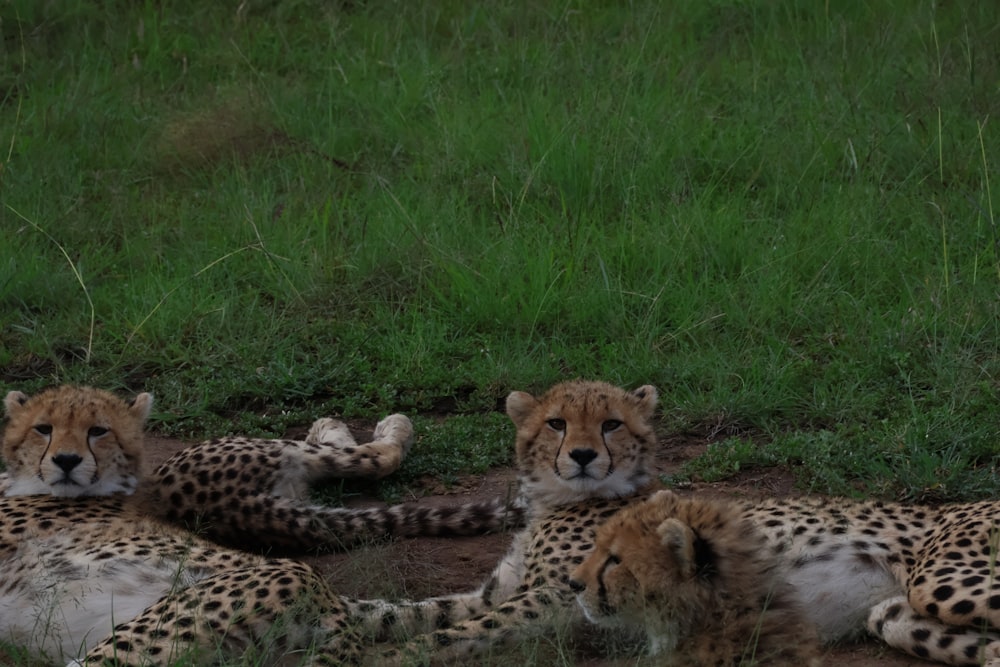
[93, 573]
[584, 450]
[696, 576]
[923, 579]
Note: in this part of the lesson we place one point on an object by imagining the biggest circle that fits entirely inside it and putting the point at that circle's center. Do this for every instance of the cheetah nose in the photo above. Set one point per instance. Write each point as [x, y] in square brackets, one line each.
[67, 461]
[583, 456]
[576, 585]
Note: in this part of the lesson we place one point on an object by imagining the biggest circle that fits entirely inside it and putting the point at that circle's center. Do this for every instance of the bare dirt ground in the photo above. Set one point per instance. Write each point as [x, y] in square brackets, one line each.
[422, 567]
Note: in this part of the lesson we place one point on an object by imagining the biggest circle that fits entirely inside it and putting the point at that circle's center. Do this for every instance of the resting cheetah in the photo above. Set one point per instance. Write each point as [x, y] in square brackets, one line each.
[244, 491]
[923, 579]
[584, 449]
[81, 555]
[694, 575]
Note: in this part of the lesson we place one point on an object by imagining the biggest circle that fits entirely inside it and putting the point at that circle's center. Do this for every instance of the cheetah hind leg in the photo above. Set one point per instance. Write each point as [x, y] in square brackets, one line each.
[900, 626]
[390, 444]
[330, 451]
[332, 432]
[395, 432]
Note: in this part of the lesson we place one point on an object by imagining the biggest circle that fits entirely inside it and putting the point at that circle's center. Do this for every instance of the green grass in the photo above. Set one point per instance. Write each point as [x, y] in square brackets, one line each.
[781, 214]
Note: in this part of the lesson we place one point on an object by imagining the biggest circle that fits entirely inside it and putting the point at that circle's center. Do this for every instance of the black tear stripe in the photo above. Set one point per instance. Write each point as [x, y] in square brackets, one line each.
[555, 458]
[602, 590]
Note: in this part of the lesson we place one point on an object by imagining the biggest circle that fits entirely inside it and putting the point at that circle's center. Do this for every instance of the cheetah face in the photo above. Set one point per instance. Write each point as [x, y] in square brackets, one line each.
[73, 441]
[605, 589]
[583, 440]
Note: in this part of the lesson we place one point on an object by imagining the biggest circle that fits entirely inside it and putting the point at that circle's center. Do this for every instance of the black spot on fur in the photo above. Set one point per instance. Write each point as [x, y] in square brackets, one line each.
[943, 593]
[963, 607]
[893, 612]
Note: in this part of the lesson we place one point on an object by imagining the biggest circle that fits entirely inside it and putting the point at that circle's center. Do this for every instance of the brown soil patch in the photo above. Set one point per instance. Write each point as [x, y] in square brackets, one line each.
[422, 567]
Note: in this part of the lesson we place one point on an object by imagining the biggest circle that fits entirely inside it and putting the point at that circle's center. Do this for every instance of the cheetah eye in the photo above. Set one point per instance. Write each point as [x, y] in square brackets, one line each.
[96, 431]
[557, 424]
[43, 429]
[610, 425]
[610, 563]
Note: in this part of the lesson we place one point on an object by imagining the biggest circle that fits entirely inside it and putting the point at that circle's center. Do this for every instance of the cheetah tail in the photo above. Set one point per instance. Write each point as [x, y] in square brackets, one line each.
[284, 526]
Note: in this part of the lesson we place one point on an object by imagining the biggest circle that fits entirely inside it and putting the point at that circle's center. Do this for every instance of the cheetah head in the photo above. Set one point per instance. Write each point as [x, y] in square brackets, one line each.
[73, 441]
[649, 568]
[583, 440]
[685, 566]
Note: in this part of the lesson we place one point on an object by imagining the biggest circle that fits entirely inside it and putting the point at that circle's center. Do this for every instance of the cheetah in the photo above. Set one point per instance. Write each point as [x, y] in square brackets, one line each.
[692, 573]
[584, 450]
[98, 566]
[239, 491]
[922, 579]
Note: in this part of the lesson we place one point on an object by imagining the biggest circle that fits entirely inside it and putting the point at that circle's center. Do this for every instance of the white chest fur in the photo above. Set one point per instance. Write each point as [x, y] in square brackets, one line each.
[59, 601]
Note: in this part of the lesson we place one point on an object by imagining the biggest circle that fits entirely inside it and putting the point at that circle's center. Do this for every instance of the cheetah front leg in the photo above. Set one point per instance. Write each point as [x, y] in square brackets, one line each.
[385, 621]
[274, 608]
[401, 620]
[527, 615]
[900, 626]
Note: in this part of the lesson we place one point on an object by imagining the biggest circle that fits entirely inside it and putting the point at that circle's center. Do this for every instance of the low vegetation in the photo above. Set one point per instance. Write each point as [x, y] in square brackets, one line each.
[779, 213]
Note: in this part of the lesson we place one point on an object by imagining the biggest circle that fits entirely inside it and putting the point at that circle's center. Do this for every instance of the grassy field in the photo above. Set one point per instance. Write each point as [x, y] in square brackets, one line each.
[779, 213]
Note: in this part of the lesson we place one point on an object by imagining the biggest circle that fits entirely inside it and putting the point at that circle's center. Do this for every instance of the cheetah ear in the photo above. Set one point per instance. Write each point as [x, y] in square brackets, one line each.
[694, 554]
[520, 405]
[13, 402]
[663, 497]
[141, 406]
[679, 540]
[645, 397]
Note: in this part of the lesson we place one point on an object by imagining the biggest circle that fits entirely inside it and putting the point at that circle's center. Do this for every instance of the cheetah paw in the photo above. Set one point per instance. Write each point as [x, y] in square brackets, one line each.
[332, 432]
[396, 429]
[991, 655]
